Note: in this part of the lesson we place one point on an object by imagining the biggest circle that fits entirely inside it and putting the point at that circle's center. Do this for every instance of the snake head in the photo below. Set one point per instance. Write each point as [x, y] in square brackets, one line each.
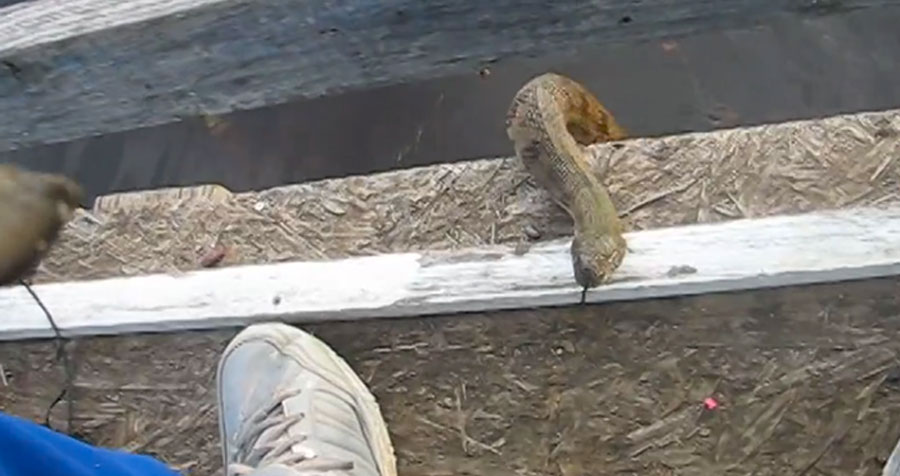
[62, 189]
[595, 260]
[48, 186]
[64, 193]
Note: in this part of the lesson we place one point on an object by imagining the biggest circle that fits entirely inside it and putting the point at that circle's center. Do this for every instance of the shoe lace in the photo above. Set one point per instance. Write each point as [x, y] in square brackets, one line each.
[258, 448]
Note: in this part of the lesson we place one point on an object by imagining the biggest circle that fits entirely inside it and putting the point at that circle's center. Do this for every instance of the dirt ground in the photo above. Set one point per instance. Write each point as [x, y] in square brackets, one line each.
[806, 378]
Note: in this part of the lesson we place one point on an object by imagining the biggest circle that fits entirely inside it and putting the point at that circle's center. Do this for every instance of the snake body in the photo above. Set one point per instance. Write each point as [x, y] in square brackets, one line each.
[550, 122]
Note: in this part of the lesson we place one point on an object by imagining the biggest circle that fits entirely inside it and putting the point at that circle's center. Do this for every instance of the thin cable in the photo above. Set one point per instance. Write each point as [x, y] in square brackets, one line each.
[60, 354]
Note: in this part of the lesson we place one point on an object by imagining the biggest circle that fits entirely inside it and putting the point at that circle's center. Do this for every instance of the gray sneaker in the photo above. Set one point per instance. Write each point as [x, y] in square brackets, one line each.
[290, 406]
[892, 467]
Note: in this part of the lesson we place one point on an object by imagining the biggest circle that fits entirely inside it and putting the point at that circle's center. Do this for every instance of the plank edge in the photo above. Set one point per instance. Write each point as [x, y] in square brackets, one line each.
[478, 262]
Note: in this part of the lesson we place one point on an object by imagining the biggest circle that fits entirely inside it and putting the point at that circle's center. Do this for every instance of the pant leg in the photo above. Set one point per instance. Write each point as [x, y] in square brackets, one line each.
[29, 449]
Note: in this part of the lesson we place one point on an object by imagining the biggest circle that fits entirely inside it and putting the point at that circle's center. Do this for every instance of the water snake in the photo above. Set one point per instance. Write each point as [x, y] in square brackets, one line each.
[551, 120]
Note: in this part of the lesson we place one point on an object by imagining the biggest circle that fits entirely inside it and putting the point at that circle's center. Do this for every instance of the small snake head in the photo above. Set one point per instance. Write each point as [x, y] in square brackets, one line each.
[594, 261]
[63, 192]
[48, 186]
[63, 189]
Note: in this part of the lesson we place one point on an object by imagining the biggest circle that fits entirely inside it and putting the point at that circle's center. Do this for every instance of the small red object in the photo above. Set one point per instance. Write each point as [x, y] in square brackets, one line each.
[710, 403]
[213, 257]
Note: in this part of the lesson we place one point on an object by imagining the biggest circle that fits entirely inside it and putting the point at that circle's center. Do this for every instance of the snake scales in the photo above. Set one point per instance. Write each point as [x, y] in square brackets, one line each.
[551, 121]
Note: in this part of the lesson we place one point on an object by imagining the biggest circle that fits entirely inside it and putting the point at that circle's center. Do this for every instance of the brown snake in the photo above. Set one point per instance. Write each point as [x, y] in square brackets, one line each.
[551, 121]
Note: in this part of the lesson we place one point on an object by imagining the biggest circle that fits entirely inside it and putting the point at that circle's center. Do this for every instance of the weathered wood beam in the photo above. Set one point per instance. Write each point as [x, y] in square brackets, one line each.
[86, 67]
[735, 255]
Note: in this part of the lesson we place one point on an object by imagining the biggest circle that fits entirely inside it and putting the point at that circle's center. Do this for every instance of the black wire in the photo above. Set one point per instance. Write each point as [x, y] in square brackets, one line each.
[60, 354]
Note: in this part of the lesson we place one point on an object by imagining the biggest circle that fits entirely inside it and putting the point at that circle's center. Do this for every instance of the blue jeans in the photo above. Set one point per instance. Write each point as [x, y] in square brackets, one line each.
[29, 449]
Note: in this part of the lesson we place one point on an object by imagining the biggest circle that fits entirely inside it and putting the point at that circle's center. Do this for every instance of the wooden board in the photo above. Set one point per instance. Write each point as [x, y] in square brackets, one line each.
[87, 67]
[735, 255]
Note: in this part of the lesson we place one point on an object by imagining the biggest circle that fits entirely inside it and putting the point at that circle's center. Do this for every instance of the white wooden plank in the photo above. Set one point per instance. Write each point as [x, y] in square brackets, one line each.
[743, 254]
[79, 68]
